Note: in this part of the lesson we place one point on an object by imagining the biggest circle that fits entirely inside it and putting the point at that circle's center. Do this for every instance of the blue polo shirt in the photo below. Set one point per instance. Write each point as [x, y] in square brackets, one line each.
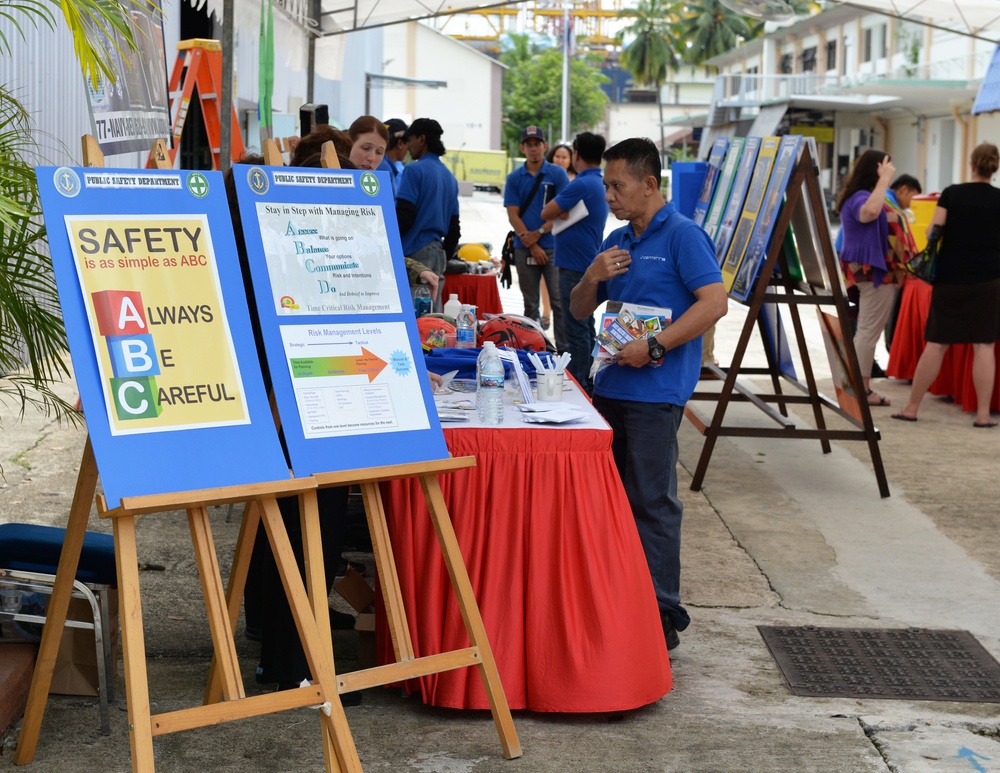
[431, 187]
[386, 165]
[519, 185]
[577, 246]
[670, 260]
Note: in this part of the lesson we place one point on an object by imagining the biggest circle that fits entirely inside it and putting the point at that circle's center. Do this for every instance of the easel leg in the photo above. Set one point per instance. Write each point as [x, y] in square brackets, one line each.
[320, 662]
[58, 607]
[315, 570]
[385, 561]
[236, 586]
[215, 604]
[471, 616]
[133, 645]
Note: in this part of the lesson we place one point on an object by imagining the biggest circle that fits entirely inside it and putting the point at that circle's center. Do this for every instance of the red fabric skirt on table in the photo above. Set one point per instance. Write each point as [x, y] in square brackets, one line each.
[955, 378]
[557, 568]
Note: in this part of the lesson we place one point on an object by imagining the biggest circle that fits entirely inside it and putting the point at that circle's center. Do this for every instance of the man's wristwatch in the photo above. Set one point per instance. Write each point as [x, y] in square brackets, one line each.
[656, 350]
[541, 230]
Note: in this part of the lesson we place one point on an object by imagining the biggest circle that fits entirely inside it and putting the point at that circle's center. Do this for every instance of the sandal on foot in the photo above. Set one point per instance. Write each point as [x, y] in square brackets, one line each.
[903, 417]
[984, 424]
[546, 321]
[881, 401]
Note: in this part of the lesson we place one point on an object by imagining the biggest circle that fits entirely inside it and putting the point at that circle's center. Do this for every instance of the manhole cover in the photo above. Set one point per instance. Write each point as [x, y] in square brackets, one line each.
[889, 663]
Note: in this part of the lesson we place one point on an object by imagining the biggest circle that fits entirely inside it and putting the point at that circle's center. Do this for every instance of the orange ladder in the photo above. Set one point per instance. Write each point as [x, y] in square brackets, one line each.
[199, 65]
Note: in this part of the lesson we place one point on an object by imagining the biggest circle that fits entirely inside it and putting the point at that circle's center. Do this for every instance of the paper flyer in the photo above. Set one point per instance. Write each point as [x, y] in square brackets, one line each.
[153, 299]
[623, 323]
[353, 379]
[715, 159]
[751, 208]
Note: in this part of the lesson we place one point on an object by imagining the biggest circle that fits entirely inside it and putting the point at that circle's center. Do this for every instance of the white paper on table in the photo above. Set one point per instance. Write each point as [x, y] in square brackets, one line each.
[560, 415]
[576, 214]
[523, 384]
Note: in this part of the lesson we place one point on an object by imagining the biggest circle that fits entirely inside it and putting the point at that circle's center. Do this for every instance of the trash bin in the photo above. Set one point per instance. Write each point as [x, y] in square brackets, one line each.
[923, 210]
[687, 178]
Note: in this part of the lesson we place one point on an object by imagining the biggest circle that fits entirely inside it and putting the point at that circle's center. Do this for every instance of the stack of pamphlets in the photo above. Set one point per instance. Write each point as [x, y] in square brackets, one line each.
[623, 323]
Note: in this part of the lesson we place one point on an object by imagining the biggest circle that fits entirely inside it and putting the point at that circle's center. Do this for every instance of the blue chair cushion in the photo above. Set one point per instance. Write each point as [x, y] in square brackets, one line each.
[29, 547]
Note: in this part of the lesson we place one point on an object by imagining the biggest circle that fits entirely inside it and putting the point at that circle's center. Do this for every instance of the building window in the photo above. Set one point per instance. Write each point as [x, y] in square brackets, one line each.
[809, 60]
[785, 67]
[831, 55]
[866, 54]
[753, 70]
[884, 41]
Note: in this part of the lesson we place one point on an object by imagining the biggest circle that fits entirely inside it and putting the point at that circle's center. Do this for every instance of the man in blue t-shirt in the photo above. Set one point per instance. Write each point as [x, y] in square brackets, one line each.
[427, 202]
[577, 245]
[395, 152]
[530, 188]
[662, 259]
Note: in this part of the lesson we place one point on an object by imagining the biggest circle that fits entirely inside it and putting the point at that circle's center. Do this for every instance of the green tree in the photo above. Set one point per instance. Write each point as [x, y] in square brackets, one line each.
[32, 338]
[708, 29]
[533, 94]
[652, 47]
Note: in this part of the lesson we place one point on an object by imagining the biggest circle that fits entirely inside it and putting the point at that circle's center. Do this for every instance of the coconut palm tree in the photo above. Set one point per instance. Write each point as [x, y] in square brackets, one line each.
[651, 46]
[710, 29]
[32, 338]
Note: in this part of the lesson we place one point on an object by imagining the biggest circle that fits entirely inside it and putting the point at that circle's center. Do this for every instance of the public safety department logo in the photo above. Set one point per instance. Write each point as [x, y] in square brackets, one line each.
[257, 180]
[67, 182]
[369, 184]
[197, 185]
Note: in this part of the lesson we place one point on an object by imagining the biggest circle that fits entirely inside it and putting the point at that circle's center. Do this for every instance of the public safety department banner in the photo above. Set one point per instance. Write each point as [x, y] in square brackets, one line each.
[155, 311]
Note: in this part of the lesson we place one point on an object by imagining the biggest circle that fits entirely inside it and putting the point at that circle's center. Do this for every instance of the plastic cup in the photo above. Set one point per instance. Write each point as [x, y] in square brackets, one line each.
[549, 386]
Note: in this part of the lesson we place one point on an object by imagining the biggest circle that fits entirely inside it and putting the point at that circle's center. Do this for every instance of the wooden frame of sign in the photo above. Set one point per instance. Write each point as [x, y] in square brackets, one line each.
[786, 291]
[407, 666]
[339, 749]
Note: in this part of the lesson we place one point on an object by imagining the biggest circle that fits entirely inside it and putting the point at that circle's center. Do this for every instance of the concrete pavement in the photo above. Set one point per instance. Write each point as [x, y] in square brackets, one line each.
[780, 535]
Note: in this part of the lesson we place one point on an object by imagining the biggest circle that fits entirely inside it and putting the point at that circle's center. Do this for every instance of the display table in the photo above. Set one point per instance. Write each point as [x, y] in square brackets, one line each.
[955, 378]
[556, 564]
[481, 290]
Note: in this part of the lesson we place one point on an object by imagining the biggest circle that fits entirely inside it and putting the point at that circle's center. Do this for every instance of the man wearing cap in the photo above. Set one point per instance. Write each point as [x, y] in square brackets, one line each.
[527, 191]
[395, 152]
[427, 202]
[578, 244]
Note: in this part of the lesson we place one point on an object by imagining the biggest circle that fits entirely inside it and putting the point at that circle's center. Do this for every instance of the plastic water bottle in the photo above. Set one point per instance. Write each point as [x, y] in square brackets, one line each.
[465, 334]
[452, 307]
[489, 386]
[422, 300]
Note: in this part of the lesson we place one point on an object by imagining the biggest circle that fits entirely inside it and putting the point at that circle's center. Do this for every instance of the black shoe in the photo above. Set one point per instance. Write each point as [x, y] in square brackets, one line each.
[877, 371]
[670, 634]
[253, 634]
[263, 677]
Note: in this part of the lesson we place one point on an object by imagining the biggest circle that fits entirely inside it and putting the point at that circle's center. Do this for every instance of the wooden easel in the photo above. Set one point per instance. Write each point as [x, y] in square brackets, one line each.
[340, 752]
[407, 665]
[793, 294]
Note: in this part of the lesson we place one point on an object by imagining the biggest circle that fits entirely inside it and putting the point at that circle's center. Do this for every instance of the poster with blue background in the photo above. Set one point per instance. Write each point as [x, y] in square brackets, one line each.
[338, 324]
[159, 332]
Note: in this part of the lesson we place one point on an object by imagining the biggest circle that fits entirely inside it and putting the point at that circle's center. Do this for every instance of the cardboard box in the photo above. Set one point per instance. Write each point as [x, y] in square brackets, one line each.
[355, 590]
[75, 671]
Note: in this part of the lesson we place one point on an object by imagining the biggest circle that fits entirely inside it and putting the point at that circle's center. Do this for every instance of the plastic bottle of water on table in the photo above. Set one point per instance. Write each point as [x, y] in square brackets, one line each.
[465, 334]
[489, 386]
[453, 306]
[422, 300]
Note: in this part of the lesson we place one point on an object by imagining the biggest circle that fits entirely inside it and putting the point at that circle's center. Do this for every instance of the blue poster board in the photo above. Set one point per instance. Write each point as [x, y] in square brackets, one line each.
[788, 153]
[737, 196]
[156, 316]
[338, 323]
[715, 159]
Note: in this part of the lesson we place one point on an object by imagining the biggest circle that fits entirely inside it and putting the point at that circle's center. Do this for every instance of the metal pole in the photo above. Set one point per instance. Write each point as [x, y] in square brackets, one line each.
[565, 73]
[226, 100]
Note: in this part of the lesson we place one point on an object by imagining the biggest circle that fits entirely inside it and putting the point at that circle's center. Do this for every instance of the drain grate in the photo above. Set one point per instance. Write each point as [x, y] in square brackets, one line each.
[889, 663]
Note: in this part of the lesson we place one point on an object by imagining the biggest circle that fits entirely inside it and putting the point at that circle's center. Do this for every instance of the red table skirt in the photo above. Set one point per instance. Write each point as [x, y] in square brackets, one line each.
[481, 290]
[557, 568]
[955, 378]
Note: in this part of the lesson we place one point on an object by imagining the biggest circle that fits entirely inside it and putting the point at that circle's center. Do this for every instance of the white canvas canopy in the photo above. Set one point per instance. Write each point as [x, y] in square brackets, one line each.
[977, 18]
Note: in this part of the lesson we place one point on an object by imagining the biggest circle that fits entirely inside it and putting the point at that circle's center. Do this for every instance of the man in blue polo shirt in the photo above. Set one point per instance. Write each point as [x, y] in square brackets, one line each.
[663, 259]
[427, 202]
[530, 188]
[577, 245]
[395, 152]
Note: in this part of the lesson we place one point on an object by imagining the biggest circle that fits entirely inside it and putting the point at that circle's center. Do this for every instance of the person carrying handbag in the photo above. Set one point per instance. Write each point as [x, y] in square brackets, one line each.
[527, 191]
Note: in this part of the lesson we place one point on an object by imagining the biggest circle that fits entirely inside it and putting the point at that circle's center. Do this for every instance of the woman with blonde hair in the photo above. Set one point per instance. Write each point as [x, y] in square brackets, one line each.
[965, 301]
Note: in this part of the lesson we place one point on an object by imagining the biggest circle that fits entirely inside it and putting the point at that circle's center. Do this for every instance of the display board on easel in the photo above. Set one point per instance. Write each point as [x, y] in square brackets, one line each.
[759, 252]
[159, 332]
[341, 338]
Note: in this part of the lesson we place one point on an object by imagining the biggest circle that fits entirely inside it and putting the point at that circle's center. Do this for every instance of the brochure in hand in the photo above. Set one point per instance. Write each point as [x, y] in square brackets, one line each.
[623, 323]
